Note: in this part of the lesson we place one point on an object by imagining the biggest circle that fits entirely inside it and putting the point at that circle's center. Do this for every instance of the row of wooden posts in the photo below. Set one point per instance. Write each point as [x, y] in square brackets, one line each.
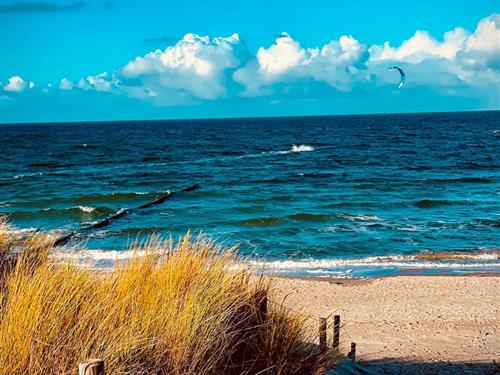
[96, 366]
[336, 337]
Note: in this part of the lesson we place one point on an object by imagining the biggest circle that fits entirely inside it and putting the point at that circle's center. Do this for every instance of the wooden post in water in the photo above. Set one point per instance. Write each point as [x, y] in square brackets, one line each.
[322, 334]
[336, 332]
[91, 367]
[352, 353]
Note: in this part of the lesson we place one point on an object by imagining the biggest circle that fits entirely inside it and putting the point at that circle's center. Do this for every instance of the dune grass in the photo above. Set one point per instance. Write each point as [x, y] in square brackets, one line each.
[176, 309]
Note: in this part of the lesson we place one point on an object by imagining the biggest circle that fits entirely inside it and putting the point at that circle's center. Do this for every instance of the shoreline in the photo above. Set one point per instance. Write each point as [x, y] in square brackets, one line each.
[361, 280]
[406, 319]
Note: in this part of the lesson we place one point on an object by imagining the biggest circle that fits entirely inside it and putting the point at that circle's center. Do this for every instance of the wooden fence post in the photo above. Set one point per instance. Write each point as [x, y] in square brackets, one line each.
[262, 305]
[352, 353]
[336, 332]
[322, 334]
[91, 367]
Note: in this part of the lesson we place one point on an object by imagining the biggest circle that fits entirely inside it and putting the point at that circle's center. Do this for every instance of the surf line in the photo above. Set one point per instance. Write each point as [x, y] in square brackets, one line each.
[103, 223]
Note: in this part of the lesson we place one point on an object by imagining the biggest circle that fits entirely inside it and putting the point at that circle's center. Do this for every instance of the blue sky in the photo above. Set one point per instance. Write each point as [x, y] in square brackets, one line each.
[247, 58]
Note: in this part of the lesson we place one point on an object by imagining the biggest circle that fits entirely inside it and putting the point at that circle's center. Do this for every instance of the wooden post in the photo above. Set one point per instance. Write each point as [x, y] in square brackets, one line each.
[91, 367]
[262, 306]
[336, 332]
[352, 353]
[322, 334]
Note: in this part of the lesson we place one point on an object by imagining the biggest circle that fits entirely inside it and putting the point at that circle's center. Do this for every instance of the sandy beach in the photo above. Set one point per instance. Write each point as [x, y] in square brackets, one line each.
[409, 324]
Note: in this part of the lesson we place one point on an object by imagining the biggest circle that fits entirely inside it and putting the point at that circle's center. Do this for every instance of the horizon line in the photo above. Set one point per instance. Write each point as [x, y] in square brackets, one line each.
[246, 117]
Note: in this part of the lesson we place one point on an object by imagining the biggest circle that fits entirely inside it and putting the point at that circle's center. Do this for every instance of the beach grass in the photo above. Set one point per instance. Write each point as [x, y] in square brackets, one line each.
[174, 308]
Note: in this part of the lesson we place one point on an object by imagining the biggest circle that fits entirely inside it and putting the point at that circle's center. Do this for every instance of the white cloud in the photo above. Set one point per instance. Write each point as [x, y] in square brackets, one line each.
[337, 63]
[16, 84]
[460, 61]
[100, 82]
[461, 58]
[482, 48]
[284, 55]
[197, 68]
[65, 84]
[193, 68]
[421, 46]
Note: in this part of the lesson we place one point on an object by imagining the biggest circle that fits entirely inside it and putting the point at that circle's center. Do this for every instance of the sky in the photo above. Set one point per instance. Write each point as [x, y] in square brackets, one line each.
[130, 60]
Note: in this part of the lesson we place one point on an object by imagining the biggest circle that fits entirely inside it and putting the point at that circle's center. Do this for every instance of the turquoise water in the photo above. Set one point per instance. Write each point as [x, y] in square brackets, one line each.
[322, 196]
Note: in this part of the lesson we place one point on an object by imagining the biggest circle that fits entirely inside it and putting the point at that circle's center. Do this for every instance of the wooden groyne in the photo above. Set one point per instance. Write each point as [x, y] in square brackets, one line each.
[105, 222]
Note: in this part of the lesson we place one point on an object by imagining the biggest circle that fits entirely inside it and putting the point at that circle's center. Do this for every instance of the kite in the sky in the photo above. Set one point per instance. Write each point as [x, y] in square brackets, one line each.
[403, 75]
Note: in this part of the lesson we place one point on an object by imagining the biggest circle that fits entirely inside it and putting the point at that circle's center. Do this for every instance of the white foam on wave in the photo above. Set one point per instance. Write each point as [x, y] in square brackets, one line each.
[481, 260]
[23, 231]
[297, 148]
[302, 148]
[95, 255]
[334, 267]
[360, 217]
[86, 208]
[98, 259]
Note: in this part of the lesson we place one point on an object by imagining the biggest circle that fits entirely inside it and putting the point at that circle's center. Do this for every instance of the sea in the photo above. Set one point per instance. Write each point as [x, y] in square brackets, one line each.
[325, 196]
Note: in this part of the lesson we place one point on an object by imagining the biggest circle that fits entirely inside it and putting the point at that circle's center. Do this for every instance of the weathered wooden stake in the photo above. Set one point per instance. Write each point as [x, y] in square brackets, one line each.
[352, 353]
[336, 332]
[91, 367]
[322, 333]
[263, 307]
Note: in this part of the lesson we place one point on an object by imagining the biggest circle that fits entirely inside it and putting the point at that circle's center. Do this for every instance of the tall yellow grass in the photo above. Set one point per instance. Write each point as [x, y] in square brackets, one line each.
[178, 309]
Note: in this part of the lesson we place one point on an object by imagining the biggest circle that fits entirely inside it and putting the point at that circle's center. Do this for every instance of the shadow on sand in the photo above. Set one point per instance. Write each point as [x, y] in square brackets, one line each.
[401, 367]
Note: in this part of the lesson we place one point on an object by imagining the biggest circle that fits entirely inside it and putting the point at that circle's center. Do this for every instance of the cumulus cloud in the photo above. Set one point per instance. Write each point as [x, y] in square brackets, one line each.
[101, 82]
[193, 68]
[65, 84]
[200, 68]
[338, 63]
[482, 48]
[421, 46]
[15, 84]
[459, 61]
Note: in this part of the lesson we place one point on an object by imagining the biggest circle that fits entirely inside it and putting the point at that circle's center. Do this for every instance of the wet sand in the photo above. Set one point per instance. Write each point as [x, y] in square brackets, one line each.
[430, 321]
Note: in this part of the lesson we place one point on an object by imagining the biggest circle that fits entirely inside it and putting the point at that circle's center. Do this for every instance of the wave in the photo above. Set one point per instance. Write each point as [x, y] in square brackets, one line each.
[302, 148]
[51, 165]
[429, 203]
[309, 217]
[487, 222]
[480, 260]
[86, 208]
[84, 211]
[262, 221]
[295, 149]
[474, 261]
[105, 198]
[360, 217]
[469, 180]
[70, 212]
[94, 258]
[85, 146]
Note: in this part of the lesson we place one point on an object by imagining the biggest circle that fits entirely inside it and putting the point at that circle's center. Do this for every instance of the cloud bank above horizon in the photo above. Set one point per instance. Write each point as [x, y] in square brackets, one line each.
[198, 68]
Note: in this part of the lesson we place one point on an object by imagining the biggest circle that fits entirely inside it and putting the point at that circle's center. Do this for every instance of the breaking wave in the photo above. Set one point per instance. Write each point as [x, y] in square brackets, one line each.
[299, 148]
[461, 262]
[295, 149]
[473, 261]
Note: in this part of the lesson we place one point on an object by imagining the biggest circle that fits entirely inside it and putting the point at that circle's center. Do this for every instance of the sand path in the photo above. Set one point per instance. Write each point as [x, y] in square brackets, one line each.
[430, 320]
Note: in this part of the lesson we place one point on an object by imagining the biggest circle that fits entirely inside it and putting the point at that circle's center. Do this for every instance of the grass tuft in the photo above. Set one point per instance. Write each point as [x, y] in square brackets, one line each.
[176, 309]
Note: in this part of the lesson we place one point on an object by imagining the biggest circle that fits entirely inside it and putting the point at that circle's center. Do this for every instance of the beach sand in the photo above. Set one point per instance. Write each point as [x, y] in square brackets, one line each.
[408, 324]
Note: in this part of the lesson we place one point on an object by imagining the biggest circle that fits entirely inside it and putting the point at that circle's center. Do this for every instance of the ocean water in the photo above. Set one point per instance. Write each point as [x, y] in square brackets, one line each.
[319, 196]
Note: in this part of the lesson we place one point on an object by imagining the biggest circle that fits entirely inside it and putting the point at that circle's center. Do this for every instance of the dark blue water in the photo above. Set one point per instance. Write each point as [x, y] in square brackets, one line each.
[311, 194]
